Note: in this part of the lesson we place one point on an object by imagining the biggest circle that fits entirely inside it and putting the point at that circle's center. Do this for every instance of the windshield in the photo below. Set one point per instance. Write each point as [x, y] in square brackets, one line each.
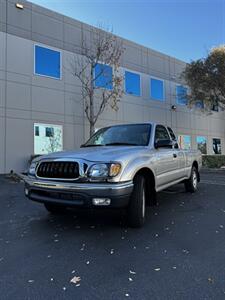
[130, 135]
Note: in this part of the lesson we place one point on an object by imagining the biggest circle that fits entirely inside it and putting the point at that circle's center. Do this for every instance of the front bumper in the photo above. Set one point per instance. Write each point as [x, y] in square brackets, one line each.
[77, 194]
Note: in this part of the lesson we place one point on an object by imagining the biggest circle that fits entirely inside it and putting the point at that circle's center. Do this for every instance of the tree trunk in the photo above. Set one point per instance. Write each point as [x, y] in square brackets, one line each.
[92, 116]
[92, 129]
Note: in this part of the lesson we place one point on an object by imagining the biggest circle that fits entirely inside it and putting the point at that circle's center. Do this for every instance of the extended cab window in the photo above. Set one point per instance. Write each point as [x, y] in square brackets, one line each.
[161, 133]
[173, 137]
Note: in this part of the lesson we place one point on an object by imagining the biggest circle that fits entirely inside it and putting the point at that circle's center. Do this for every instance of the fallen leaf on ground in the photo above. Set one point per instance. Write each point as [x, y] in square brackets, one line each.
[210, 280]
[75, 279]
[31, 281]
[130, 279]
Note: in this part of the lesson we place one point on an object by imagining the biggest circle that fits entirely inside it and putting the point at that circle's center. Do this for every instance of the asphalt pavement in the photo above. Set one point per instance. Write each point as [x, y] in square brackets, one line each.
[178, 254]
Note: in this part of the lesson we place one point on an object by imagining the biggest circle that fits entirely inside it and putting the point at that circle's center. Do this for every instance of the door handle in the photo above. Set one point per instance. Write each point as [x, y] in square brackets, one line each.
[174, 155]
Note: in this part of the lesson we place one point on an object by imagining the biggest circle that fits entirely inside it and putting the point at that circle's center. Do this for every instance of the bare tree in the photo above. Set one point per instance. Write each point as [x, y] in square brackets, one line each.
[54, 141]
[97, 68]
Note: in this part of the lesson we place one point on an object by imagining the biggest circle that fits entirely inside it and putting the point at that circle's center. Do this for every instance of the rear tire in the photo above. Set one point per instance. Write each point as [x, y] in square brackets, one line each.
[55, 209]
[191, 184]
[137, 205]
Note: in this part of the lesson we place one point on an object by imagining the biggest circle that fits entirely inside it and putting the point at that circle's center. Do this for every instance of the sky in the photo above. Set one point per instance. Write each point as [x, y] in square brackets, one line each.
[185, 29]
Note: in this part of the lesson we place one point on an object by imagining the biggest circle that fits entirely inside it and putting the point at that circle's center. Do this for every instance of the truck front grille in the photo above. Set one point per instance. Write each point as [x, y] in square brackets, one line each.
[58, 170]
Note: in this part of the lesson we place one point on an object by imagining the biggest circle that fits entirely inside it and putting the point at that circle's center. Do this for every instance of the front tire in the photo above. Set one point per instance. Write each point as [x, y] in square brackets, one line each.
[54, 209]
[191, 184]
[137, 205]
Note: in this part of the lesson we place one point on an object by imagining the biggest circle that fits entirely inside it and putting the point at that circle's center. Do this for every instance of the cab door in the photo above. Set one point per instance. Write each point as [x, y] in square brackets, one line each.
[180, 155]
[166, 163]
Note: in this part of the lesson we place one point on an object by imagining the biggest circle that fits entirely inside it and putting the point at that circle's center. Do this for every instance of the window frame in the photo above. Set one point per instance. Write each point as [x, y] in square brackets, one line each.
[163, 81]
[136, 73]
[184, 86]
[46, 125]
[50, 48]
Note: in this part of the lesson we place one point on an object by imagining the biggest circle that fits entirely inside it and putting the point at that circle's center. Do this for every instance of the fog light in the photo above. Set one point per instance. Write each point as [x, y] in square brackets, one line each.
[26, 192]
[101, 201]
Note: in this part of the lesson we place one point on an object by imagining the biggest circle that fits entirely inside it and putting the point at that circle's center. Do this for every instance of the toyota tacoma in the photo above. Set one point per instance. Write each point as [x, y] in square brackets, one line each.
[121, 166]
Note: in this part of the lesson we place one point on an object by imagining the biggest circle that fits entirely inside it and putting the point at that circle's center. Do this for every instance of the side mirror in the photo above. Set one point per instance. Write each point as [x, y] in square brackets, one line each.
[163, 144]
[176, 146]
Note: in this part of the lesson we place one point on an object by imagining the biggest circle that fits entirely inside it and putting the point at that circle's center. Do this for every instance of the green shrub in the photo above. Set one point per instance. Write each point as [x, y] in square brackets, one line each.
[213, 161]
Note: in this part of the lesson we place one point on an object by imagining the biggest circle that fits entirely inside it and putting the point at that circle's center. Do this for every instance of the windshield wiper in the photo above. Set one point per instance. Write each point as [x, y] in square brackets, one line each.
[91, 145]
[121, 144]
[109, 144]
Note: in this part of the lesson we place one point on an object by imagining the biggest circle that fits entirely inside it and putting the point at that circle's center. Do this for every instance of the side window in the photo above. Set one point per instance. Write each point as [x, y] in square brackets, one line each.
[47, 62]
[132, 83]
[161, 133]
[103, 76]
[173, 137]
[181, 95]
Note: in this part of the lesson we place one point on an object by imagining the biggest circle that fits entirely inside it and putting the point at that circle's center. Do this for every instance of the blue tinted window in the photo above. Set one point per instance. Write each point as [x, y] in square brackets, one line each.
[103, 76]
[202, 144]
[47, 62]
[132, 83]
[156, 88]
[184, 142]
[199, 104]
[181, 93]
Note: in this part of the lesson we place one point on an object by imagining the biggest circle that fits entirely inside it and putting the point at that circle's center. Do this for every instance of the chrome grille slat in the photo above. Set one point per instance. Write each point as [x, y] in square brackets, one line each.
[58, 170]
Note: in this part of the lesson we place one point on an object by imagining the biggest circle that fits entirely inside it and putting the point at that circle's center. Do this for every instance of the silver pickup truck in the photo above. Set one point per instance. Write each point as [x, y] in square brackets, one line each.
[121, 166]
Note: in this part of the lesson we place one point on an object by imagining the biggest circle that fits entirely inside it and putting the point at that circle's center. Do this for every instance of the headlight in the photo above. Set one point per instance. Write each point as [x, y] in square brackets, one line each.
[101, 170]
[32, 168]
[104, 170]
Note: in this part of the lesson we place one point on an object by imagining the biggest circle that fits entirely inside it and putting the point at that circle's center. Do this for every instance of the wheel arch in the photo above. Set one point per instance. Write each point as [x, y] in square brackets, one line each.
[150, 184]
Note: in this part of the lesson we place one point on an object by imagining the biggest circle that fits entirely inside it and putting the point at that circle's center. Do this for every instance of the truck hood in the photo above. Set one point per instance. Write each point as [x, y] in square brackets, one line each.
[98, 154]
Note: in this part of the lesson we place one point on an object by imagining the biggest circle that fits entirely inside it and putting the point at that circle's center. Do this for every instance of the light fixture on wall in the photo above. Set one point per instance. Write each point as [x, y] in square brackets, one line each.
[173, 107]
[19, 5]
